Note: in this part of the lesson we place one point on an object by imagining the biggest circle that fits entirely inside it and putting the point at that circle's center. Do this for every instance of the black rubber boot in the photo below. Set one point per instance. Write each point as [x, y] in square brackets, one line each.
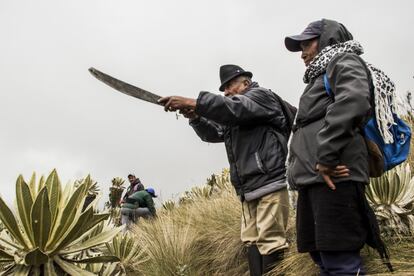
[255, 261]
[271, 260]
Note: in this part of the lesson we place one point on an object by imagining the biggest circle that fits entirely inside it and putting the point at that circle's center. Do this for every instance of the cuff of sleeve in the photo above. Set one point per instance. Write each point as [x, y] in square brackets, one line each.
[194, 122]
[199, 109]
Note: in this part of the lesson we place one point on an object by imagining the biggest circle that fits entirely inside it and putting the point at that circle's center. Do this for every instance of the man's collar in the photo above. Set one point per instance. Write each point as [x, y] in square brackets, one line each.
[248, 88]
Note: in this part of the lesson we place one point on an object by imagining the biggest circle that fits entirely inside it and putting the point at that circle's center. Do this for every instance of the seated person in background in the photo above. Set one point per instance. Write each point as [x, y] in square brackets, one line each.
[139, 204]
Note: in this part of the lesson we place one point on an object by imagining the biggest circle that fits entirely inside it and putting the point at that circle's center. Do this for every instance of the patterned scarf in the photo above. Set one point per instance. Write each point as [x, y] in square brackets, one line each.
[384, 89]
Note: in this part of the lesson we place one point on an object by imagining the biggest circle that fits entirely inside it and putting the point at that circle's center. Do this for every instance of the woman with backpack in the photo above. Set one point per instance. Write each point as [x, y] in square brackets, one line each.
[328, 159]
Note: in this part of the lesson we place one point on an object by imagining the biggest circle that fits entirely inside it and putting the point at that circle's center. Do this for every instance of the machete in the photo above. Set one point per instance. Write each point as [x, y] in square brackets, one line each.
[124, 87]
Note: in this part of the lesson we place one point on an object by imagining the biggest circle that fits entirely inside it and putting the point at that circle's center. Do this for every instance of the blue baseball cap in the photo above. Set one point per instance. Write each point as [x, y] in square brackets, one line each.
[151, 191]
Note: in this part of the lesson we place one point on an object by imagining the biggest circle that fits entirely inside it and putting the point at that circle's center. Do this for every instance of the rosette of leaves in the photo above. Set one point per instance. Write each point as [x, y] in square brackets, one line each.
[92, 188]
[45, 234]
[92, 185]
[103, 269]
[127, 249]
[392, 199]
[221, 182]
[115, 191]
[216, 184]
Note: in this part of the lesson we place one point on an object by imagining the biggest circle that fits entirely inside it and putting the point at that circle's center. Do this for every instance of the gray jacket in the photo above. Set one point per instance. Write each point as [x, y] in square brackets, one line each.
[250, 126]
[328, 132]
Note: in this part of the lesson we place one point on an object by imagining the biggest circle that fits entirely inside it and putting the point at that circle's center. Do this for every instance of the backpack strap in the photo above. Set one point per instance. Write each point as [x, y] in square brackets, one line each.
[288, 110]
[330, 93]
[328, 88]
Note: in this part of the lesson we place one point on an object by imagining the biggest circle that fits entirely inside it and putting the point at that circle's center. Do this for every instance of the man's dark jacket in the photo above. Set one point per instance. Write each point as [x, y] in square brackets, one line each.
[250, 125]
[329, 130]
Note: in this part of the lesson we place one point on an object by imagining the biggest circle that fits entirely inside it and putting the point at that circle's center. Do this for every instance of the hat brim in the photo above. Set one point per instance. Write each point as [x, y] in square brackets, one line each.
[245, 73]
[292, 43]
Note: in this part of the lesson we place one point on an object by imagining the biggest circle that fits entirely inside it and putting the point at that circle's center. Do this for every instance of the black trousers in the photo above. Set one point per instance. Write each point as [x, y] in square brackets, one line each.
[331, 220]
[338, 263]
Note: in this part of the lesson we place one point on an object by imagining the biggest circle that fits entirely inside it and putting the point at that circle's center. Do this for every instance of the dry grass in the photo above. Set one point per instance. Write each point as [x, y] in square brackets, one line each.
[198, 238]
[202, 237]
[401, 254]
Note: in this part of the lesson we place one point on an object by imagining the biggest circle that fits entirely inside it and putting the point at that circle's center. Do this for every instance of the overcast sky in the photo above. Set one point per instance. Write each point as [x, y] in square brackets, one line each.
[54, 114]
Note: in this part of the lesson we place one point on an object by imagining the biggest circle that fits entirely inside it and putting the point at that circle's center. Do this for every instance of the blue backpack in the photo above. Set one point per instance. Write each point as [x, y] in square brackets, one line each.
[382, 156]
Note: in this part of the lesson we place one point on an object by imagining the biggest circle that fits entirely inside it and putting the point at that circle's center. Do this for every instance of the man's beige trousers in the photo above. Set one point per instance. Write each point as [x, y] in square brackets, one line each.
[264, 222]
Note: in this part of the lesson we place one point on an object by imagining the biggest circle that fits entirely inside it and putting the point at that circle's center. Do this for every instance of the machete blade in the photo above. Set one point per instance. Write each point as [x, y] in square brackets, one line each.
[124, 87]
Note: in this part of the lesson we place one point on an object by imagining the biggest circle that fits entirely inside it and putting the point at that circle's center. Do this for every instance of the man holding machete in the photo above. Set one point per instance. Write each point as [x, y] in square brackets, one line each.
[251, 123]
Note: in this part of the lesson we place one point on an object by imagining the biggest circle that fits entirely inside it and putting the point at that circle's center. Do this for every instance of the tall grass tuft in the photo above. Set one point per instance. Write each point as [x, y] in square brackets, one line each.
[201, 236]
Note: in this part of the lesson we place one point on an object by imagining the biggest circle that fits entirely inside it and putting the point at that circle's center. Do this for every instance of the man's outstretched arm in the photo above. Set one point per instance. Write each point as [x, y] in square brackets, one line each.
[207, 130]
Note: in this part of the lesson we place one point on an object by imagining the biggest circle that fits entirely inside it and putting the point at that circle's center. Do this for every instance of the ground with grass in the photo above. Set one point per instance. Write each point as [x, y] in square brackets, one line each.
[201, 236]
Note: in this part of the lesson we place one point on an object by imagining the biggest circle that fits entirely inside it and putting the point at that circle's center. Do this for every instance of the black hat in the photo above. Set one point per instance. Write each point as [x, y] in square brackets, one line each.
[229, 72]
[313, 30]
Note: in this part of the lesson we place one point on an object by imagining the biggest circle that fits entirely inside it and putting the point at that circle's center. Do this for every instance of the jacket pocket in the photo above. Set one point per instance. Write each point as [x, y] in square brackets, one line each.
[251, 165]
[259, 163]
[273, 153]
[303, 161]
